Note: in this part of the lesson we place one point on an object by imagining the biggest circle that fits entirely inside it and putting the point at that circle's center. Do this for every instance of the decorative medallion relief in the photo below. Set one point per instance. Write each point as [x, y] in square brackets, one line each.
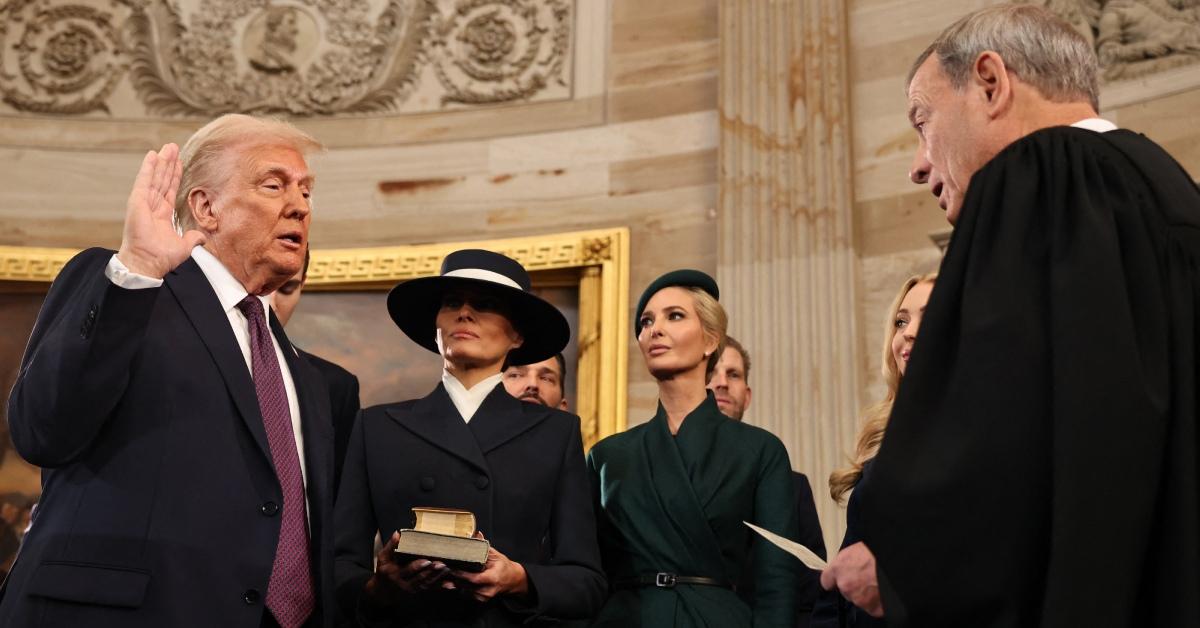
[1136, 38]
[199, 58]
[489, 51]
[60, 58]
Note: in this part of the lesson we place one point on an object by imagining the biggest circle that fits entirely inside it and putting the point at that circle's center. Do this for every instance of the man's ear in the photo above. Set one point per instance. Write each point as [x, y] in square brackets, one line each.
[562, 405]
[204, 212]
[994, 81]
[517, 340]
[749, 394]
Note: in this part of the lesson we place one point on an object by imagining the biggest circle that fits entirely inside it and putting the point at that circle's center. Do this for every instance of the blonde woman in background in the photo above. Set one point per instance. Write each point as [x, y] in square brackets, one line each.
[900, 333]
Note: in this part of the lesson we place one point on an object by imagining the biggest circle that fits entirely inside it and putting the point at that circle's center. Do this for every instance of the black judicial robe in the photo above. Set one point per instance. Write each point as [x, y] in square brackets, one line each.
[676, 504]
[1039, 468]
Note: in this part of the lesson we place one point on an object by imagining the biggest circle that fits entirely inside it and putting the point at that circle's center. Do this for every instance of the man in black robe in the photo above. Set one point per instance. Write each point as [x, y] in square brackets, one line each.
[1040, 465]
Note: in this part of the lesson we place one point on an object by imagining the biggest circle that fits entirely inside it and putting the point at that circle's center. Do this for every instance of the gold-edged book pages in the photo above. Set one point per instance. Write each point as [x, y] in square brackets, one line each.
[445, 521]
[444, 535]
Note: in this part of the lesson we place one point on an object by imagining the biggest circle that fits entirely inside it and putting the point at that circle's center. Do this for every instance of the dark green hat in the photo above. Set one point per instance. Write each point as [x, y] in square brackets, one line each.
[684, 278]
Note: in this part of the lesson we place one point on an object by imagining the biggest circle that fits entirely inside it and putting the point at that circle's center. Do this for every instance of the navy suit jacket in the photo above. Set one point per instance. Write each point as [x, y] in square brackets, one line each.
[343, 403]
[160, 506]
[518, 466]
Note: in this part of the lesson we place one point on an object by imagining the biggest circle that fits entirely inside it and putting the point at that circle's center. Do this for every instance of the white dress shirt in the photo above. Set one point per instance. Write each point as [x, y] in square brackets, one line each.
[467, 401]
[230, 292]
[1099, 125]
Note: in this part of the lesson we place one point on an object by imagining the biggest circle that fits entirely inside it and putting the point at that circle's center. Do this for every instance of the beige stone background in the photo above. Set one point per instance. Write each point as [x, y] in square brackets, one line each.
[628, 134]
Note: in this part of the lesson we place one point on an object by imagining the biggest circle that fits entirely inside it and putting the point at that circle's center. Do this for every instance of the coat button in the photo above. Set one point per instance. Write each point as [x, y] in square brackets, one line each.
[481, 482]
[251, 596]
[427, 483]
[269, 508]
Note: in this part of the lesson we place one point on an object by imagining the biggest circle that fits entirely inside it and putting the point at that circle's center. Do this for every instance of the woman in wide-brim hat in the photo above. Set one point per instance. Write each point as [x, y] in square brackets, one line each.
[673, 492]
[469, 445]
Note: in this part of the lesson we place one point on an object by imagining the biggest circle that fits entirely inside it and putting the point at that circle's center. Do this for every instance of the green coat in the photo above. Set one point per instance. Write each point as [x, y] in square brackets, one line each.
[676, 504]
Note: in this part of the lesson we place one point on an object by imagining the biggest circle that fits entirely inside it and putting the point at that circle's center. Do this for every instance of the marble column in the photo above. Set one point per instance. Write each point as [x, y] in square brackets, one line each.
[786, 263]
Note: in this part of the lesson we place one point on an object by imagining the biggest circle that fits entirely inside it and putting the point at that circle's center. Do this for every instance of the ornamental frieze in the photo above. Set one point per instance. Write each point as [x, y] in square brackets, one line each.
[199, 58]
[1136, 38]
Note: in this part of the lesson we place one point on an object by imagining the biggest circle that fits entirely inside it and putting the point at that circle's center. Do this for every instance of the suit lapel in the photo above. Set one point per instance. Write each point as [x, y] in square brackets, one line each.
[435, 419]
[199, 302]
[502, 418]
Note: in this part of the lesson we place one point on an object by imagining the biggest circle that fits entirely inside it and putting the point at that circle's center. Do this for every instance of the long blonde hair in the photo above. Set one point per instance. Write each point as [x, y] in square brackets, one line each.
[875, 417]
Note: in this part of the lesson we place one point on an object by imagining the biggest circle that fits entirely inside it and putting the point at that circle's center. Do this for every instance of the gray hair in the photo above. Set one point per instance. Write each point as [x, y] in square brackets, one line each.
[1035, 44]
[207, 164]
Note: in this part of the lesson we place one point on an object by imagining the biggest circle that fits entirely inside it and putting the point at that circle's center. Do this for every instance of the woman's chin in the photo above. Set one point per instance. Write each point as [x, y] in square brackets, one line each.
[470, 359]
[669, 370]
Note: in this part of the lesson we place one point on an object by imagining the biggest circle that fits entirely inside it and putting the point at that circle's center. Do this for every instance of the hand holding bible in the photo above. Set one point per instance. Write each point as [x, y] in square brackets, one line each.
[500, 576]
[392, 578]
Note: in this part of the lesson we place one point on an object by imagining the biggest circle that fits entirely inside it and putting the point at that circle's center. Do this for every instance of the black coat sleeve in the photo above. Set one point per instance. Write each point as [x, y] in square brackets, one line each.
[810, 536]
[76, 366]
[571, 585]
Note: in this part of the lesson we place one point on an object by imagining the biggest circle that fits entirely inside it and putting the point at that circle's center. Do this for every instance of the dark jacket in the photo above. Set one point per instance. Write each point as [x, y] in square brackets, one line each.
[832, 610]
[676, 504]
[517, 466]
[343, 404]
[160, 505]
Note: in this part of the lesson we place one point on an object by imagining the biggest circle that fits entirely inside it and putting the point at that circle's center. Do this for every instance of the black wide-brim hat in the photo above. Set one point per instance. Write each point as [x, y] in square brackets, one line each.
[414, 304]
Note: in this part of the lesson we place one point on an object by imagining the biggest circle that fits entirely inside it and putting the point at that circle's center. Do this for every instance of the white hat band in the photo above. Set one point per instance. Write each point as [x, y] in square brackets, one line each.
[483, 275]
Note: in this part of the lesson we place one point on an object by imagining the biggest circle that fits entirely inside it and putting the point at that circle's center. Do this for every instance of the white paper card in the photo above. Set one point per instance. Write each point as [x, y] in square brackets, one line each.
[806, 556]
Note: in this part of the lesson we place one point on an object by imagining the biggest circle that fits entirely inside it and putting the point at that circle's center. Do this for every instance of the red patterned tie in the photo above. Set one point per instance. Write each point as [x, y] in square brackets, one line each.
[290, 592]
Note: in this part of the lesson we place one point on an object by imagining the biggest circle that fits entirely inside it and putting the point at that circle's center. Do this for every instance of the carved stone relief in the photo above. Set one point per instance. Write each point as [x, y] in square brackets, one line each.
[198, 58]
[1135, 38]
[60, 58]
[497, 51]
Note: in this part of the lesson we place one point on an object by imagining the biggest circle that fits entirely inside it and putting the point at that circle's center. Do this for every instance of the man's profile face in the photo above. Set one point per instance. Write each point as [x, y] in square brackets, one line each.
[729, 385]
[287, 297]
[263, 214]
[951, 127]
[537, 383]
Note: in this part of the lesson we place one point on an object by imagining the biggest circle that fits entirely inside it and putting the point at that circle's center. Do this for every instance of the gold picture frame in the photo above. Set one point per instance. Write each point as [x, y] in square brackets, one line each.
[598, 260]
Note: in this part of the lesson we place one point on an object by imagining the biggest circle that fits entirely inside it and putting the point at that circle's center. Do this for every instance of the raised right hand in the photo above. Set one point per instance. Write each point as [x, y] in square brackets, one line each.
[392, 577]
[149, 245]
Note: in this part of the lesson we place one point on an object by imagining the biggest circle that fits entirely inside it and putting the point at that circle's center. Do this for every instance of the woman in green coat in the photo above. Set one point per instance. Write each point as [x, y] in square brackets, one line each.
[671, 494]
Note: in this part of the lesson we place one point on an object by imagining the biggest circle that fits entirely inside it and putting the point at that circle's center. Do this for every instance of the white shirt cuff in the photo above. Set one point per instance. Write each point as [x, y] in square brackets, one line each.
[122, 277]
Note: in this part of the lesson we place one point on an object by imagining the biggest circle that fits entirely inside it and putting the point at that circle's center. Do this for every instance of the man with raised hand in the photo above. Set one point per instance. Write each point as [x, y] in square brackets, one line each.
[187, 454]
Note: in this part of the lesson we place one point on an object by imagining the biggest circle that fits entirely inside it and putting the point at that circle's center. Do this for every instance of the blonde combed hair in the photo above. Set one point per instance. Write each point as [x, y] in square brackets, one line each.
[875, 418]
[206, 158]
[713, 320]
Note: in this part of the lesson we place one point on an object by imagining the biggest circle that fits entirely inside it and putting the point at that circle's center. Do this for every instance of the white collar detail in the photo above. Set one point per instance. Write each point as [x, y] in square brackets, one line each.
[1099, 125]
[468, 401]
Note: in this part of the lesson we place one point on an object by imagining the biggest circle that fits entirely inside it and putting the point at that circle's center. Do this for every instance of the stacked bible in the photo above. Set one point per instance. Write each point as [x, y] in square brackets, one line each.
[444, 535]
